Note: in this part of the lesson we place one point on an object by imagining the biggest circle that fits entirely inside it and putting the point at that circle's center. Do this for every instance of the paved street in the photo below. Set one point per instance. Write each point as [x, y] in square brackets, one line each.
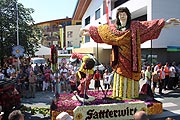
[171, 105]
[42, 100]
[170, 102]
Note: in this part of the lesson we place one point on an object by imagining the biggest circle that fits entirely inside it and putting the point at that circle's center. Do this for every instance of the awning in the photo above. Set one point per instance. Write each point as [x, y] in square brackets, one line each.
[173, 48]
[69, 48]
[43, 51]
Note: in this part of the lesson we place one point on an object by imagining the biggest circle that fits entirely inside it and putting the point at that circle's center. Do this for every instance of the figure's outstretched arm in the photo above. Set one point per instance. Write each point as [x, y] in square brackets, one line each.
[91, 32]
[84, 32]
[151, 29]
[172, 22]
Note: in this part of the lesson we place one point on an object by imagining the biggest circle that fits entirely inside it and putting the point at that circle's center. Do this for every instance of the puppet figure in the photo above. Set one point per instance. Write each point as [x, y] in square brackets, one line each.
[85, 73]
[126, 36]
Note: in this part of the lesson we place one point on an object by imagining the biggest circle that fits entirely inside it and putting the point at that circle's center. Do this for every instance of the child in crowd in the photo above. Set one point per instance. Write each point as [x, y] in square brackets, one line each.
[73, 81]
[106, 80]
[97, 77]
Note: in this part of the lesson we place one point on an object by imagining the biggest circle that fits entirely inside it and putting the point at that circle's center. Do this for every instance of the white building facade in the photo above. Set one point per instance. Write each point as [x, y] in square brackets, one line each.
[140, 10]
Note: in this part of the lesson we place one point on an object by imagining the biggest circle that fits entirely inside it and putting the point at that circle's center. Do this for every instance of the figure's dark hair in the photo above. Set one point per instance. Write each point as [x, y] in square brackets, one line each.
[126, 10]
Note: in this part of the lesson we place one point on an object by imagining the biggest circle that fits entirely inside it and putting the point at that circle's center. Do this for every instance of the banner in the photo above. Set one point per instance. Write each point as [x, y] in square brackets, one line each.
[119, 111]
[108, 11]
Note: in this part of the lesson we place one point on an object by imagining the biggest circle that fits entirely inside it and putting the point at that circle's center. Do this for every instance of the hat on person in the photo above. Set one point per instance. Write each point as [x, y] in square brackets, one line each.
[1, 113]
[64, 116]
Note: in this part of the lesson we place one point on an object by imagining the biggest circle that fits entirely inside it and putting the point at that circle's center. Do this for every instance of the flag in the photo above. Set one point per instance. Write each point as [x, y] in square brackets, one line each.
[108, 11]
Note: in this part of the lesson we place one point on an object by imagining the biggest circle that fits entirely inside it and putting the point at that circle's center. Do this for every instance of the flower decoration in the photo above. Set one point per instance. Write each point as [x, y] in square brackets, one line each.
[35, 110]
[79, 116]
[64, 102]
[18, 51]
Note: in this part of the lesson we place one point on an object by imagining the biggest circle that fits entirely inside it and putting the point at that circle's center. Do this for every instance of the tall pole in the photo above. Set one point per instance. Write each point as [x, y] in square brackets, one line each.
[17, 28]
[97, 50]
[151, 61]
[17, 22]
[97, 53]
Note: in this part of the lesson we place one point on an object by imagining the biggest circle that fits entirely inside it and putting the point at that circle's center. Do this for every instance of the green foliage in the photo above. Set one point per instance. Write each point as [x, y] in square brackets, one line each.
[36, 110]
[29, 35]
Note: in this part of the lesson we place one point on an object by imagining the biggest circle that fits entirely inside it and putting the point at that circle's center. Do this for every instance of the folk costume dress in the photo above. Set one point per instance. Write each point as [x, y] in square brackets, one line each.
[126, 52]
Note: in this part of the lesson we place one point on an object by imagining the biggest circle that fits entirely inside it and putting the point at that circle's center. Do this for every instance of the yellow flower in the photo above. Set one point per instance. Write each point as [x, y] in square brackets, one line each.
[79, 116]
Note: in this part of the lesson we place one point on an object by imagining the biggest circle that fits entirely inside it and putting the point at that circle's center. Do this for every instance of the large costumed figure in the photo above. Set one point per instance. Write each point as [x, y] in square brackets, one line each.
[126, 36]
[85, 73]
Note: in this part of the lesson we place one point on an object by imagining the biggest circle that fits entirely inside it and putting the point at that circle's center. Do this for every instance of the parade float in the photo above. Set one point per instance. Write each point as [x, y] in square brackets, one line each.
[120, 103]
[103, 105]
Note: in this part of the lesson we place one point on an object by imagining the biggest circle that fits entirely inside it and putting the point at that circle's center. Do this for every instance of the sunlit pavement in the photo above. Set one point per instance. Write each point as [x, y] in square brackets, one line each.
[44, 99]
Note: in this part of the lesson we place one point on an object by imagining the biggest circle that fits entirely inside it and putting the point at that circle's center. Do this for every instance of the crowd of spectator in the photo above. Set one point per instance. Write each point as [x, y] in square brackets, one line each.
[64, 79]
[164, 76]
[42, 78]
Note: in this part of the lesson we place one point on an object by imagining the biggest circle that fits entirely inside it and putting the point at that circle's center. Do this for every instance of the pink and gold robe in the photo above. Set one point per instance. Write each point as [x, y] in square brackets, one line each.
[127, 55]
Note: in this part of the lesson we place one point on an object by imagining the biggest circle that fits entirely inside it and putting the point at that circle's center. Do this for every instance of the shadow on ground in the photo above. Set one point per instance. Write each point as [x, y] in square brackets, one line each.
[42, 100]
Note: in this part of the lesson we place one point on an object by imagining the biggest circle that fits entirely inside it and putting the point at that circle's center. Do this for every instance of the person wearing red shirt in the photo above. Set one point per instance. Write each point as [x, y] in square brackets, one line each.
[97, 77]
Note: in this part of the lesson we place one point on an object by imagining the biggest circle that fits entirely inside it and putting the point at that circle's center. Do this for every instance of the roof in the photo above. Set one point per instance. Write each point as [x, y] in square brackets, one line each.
[80, 9]
[53, 21]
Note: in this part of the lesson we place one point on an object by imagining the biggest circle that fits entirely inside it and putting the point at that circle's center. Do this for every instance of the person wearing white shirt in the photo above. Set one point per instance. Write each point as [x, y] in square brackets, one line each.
[148, 75]
[161, 80]
[106, 80]
[172, 76]
[111, 79]
[10, 70]
[1, 75]
[63, 70]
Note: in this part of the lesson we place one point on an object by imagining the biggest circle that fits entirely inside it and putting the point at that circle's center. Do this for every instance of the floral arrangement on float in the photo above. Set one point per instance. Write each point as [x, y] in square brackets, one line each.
[65, 103]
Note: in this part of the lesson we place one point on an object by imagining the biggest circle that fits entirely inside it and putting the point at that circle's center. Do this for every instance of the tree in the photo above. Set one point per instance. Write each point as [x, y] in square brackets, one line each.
[29, 35]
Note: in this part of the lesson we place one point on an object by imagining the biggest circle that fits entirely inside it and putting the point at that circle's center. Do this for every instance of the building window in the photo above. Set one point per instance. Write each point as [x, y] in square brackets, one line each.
[87, 20]
[69, 34]
[68, 23]
[119, 2]
[78, 23]
[97, 14]
[69, 44]
[87, 39]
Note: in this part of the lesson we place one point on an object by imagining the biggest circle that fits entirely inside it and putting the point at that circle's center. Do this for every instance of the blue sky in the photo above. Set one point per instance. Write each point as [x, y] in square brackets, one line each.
[46, 10]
